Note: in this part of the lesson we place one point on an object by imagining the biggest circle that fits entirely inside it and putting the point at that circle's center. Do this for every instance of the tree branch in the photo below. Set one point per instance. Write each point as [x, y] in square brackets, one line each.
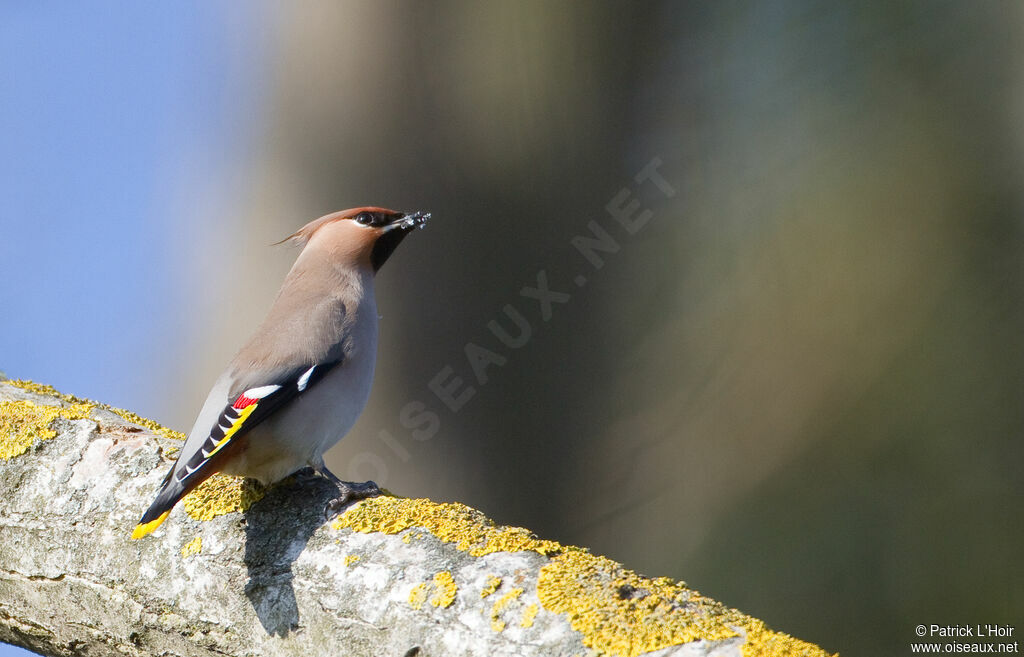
[240, 571]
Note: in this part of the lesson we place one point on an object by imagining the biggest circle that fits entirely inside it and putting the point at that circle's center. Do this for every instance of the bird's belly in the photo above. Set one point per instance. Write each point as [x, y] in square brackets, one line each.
[297, 436]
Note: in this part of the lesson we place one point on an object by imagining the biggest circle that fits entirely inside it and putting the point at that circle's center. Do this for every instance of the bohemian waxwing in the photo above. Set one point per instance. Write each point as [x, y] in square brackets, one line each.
[298, 385]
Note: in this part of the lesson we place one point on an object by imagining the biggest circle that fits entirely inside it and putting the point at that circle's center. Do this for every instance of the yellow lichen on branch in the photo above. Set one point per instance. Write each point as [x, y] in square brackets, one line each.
[469, 529]
[444, 590]
[22, 423]
[499, 606]
[493, 582]
[528, 615]
[418, 595]
[220, 495]
[50, 391]
[623, 613]
[193, 547]
[617, 611]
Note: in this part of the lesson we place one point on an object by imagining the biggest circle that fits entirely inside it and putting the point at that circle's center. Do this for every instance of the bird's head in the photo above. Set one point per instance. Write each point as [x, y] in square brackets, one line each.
[367, 236]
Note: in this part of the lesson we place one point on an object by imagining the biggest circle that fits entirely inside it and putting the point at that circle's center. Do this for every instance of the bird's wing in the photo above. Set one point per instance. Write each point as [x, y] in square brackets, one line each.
[226, 416]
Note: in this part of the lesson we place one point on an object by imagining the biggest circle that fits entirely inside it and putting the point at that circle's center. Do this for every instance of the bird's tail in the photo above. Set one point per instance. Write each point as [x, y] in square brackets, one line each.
[169, 494]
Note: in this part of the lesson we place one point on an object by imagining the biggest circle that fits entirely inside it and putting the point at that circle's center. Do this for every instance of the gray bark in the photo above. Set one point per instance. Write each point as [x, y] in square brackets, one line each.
[278, 579]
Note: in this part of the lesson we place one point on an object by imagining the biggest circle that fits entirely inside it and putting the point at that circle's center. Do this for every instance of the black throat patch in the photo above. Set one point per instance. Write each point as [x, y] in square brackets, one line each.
[386, 245]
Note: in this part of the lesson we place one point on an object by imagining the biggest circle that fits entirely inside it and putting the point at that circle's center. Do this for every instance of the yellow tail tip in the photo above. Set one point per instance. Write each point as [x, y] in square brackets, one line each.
[145, 528]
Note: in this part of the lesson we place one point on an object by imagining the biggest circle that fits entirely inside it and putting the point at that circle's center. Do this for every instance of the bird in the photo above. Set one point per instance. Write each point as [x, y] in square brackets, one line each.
[297, 386]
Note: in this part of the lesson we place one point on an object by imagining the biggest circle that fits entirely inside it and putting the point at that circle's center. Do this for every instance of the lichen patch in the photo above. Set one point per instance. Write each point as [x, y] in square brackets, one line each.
[617, 611]
[22, 423]
[622, 613]
[50, 391]
[493, 582]
[444, 590]
[528, 615]
[193, 547]
[441, 589]
[418, 595]
[467, 528]
[497, 624]
[220, 495]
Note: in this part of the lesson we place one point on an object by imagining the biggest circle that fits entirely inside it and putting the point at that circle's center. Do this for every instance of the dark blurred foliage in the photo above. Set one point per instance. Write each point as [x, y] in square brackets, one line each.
[798, 387]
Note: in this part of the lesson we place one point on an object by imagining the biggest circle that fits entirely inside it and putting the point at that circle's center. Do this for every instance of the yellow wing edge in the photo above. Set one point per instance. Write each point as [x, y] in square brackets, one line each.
[144, 529]
[243, 415]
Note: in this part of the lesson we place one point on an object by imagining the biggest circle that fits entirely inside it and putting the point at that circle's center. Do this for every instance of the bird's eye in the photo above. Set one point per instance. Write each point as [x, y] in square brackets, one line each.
[364, 218]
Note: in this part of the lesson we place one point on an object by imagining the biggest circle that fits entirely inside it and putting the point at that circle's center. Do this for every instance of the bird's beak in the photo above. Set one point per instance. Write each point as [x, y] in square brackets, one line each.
[409, 221]
[393, 233]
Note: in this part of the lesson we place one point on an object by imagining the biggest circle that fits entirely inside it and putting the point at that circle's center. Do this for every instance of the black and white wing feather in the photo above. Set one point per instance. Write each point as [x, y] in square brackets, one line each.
[225, 417]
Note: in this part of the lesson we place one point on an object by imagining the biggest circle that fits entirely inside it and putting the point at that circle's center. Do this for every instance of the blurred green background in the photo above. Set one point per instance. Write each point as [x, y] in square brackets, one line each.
[798, 387]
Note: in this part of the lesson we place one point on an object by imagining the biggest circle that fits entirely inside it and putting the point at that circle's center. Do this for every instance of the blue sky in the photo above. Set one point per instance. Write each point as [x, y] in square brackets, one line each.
[107, 110]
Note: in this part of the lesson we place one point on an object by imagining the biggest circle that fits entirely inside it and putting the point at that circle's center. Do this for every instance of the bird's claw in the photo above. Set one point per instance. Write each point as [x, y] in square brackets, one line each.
[348, 492]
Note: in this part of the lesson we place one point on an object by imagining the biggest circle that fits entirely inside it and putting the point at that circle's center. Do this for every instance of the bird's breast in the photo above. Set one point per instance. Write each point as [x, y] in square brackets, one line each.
[322, 415]
[299, 434]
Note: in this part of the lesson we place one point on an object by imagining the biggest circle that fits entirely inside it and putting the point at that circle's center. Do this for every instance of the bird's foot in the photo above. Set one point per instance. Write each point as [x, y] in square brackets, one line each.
[348, 492]
[305, 474]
